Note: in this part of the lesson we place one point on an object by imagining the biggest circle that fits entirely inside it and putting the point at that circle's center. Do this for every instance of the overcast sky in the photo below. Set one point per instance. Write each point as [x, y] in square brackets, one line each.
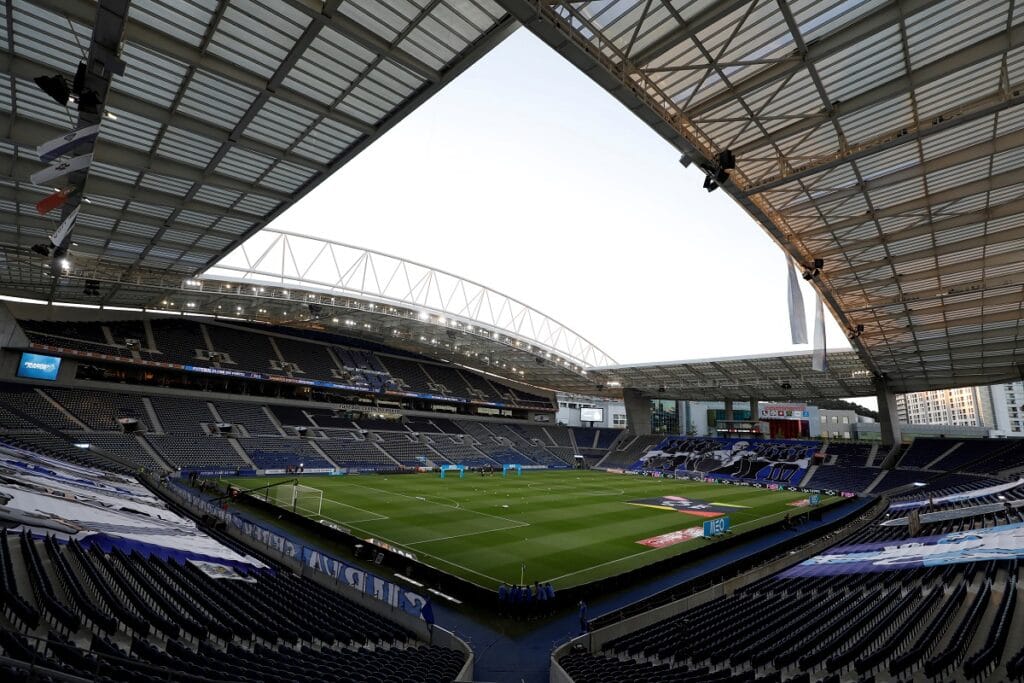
[524, 175]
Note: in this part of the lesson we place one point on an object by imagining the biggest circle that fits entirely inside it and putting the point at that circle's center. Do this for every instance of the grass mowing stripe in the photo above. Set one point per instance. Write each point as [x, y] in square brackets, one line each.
[569, 527]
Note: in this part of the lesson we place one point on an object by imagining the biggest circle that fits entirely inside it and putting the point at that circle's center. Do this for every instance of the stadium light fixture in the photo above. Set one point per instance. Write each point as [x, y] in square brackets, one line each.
[56, 86]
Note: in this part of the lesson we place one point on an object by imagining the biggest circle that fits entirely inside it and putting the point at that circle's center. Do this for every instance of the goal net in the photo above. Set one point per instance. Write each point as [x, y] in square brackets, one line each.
[305, 500]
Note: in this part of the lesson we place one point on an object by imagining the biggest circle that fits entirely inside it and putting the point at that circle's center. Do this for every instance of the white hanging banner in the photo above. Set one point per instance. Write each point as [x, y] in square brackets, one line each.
[797, 317]
[819, 360]
[60, 168]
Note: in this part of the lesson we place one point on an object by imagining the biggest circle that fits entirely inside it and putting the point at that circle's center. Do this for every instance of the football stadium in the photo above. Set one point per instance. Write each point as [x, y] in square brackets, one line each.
[231, 450]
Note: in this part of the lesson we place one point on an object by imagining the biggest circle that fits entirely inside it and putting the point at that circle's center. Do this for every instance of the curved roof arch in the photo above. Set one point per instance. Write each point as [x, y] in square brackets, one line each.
[288, 260]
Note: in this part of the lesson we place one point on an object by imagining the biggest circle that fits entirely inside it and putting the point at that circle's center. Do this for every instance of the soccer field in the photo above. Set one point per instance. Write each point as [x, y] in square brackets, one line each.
[567, 527]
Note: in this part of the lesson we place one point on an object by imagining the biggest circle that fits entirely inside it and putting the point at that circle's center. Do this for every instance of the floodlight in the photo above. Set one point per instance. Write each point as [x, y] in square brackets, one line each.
[56, 86]
[709, 184]
[726, 159]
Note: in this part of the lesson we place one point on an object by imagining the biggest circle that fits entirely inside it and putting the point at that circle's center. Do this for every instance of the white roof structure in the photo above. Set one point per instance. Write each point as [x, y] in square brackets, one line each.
[885, 138]
[882, 137]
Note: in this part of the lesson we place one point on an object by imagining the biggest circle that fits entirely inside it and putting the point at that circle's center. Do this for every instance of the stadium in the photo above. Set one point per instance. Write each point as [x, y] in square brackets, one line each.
[232, 451]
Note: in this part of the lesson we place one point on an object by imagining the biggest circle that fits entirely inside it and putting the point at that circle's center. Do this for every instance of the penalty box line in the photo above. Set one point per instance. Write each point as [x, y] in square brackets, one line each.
[471, 533]
[424, 499]
[405, 545]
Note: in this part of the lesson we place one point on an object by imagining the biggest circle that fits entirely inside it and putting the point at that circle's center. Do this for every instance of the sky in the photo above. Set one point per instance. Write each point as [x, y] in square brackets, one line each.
[524, 175]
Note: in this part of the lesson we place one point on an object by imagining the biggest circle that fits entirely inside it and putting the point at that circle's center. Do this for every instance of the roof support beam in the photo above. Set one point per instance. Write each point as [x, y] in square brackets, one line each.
[83, 10]
[863, 28]
[714, 12]
[987, 239]
[964, 155]
[932, 200]
[975, 53]
[364, 37]
[979, 264]
[927, 228]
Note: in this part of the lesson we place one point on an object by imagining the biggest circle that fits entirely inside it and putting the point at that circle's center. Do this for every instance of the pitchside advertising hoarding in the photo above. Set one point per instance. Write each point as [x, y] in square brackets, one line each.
[38, 366]
[716, 527]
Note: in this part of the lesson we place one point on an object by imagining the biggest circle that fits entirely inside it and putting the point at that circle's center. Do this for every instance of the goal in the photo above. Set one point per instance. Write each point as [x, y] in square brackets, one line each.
[305, 500]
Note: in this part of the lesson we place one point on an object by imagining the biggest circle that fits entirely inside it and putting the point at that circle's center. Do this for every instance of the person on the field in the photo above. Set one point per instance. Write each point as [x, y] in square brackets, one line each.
[584, 624]
[502, 598]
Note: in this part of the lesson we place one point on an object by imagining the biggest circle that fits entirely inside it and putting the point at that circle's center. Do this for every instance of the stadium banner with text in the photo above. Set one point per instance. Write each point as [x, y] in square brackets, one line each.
[957, 497]
[353, 576]
[716, 527]
[1005, 542]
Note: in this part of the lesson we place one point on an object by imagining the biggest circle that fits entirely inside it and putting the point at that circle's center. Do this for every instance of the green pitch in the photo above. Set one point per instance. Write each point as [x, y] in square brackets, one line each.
[567, 527]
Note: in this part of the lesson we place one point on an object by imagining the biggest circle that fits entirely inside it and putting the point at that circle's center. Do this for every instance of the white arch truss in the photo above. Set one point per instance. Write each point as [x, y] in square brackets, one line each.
[281, 258]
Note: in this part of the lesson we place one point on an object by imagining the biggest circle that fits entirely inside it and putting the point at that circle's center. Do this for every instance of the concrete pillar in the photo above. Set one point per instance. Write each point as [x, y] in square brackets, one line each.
[888, 420]
[754, 414]
[638, 411]
[728, 410]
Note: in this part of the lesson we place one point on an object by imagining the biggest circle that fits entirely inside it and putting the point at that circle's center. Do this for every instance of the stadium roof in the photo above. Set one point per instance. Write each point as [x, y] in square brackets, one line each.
[883, 137]
[771, 377]
[227, 112]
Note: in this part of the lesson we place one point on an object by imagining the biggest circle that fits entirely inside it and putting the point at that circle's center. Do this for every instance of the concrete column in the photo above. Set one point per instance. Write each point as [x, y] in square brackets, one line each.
[728, 410]
[638, 411]
[754, 415]
[889, 423]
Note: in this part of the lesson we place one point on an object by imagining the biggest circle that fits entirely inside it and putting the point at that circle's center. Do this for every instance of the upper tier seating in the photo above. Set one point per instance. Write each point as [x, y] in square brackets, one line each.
[842, 478]
[409, 374]
[314, 360]
[249, 415]
[924, 450]
[180, 415]
[101, 409]
[189, 451]
[405, 448]
[178, 341]
[247, 350]
[279, 453]
[849, 454]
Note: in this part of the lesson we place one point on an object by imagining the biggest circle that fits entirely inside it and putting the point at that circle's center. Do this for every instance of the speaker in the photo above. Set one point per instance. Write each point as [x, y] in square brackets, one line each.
[128, 424]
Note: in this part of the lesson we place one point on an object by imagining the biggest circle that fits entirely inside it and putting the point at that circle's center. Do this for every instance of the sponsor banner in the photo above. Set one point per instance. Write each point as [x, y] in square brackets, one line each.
[353, 576]
[784, 411]
[957, 497]
[363, 581]
[690, 506]
[37, 366]
[716, 527]
[1005, 542]
[673, 537]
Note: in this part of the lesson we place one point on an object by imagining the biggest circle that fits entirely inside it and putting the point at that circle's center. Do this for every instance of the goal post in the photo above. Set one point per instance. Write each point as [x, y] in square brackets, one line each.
[305, 500]
[514, 468]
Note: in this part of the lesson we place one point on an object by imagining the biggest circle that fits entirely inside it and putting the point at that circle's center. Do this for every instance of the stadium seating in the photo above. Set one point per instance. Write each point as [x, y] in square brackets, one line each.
[179, 415]
[249, 415]
[836, 478]
[848, 454]
[313, 360]
[101, 410]
[119, 616]
[280, 453]
[179, 341]
[246, 350]
[405, 448]
[941, 621]
[189, 451]
[30, 402]
[347, 449]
